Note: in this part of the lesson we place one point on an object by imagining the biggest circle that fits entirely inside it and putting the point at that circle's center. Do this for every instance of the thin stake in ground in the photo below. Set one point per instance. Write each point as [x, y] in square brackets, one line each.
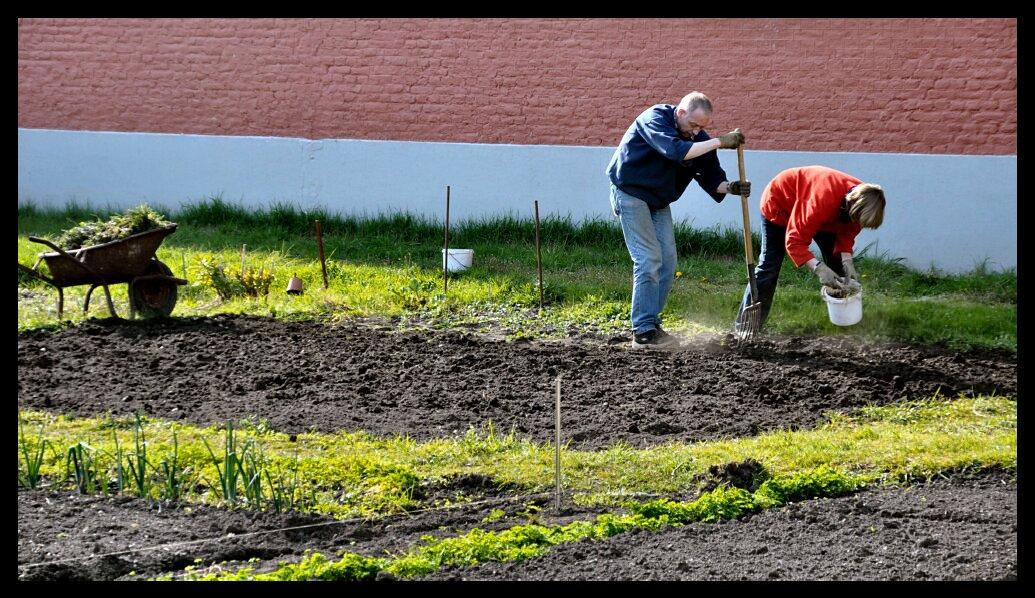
[557, 447]
[323, 262]
[538, 255]
[445, 249]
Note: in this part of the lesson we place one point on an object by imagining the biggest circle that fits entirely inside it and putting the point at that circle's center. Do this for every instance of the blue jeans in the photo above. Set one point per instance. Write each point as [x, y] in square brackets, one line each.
[767, 273]
[651, 241]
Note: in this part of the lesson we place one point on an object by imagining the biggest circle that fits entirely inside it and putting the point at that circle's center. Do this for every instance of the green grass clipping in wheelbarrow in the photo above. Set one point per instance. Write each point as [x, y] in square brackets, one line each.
[135, 220]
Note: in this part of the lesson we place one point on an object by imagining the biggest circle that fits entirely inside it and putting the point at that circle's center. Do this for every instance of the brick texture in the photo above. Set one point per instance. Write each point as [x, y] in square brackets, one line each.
[858, 85]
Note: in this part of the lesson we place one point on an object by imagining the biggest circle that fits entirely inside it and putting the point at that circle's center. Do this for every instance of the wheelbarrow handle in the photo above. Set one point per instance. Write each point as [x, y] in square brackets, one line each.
[48, 243]
[69, 256]
[34, 273]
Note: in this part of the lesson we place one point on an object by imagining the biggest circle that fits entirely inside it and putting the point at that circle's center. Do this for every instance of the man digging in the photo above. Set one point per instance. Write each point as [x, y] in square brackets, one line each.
[664, 149]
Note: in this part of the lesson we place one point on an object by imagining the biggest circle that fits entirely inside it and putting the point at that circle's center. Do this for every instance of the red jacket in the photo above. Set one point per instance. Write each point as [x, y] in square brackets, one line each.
[807, 200]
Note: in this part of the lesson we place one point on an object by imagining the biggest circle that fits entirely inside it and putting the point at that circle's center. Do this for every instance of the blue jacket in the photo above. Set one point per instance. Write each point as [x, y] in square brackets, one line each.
[649, 164]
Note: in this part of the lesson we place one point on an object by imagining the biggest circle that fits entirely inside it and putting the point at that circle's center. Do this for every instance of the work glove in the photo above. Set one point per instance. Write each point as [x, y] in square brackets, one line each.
[738, 188]
[731, 140]
[828, 277]
[852, 286]
[850, 272]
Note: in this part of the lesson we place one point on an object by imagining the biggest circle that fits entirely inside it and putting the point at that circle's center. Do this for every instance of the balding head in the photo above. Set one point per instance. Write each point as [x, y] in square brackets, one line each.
[695, 100]
[693, 113]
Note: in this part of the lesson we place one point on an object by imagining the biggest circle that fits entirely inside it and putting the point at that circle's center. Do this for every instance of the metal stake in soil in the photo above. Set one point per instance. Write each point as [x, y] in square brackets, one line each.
[538, 255]
[557, 446]
[445, 249]
[323, 263]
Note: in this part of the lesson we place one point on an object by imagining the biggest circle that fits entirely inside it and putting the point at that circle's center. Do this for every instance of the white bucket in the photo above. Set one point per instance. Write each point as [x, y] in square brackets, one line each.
[846, 311]
[459, 259]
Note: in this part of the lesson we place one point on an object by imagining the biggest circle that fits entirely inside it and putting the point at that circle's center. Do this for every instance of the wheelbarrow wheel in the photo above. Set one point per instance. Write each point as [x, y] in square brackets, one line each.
[154, 298]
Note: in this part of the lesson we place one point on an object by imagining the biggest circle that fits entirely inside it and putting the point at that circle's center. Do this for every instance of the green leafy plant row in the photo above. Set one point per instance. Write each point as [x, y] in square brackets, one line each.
[239, 473]
[524, 542]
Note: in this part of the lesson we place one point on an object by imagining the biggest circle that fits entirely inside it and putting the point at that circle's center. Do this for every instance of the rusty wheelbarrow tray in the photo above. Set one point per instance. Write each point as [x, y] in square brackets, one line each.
[152, 287]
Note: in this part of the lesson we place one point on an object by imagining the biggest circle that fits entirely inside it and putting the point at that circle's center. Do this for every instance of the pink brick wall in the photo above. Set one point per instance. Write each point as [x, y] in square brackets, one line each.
[868, 85]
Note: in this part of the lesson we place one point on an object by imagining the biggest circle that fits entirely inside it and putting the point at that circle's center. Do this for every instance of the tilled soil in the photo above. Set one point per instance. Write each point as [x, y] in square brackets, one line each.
[426, 384]
[959, 528]
[956, 529]
[68, 536]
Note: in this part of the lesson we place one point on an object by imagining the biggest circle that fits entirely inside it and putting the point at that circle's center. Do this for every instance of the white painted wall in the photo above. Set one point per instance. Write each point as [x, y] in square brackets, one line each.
[947, 211]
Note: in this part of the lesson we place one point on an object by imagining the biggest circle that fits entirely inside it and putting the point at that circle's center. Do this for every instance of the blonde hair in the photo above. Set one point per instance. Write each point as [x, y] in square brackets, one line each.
[866, 205]
[694, 100]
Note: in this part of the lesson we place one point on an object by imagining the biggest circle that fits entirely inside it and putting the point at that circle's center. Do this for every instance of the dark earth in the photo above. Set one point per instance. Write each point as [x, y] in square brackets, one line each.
[308, 376]
[956, 528]
[962, 527]
[427, 384]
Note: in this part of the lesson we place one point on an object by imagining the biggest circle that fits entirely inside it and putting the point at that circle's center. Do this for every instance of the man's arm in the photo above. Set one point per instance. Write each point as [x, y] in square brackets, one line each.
[700, 148]
[730, 140]
[710, 175]
[662, 136]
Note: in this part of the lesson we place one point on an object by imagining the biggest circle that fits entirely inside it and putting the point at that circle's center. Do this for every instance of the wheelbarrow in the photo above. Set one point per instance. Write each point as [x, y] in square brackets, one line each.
[152, 287]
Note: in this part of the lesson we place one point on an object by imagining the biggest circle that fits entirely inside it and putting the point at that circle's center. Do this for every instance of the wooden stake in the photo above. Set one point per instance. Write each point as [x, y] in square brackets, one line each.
[538, 255]
[323, 263]
[445, 249]
[557, 446]
[243, 247]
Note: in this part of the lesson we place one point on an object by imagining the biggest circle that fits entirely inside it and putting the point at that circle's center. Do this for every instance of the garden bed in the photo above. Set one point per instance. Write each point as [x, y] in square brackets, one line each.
[961, 527]
[296, 377]
[422, 384]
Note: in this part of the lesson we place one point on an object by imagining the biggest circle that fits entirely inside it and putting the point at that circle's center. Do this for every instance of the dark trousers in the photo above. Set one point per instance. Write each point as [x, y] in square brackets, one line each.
[767, 272]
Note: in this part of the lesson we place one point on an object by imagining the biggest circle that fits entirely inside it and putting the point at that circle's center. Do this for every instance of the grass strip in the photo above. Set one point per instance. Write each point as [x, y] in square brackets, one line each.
[390, 266]
[350, 474]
